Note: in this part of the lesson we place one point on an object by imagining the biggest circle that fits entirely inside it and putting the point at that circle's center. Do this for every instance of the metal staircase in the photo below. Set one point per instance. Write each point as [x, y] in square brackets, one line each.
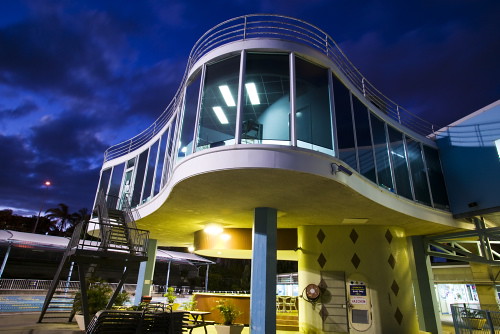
[111, 240]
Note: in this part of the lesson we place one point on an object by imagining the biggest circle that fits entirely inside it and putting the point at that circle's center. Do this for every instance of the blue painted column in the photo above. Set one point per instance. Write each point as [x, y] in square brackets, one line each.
[423, 287]
[146, 271]
[263, 280]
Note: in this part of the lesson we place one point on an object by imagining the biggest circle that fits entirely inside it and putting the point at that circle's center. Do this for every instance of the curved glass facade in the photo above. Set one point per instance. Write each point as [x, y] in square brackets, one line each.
[282, 99]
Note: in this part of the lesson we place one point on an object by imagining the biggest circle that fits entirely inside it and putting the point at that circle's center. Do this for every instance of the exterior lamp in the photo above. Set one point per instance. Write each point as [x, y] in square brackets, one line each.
[47, 184]
[213, 229]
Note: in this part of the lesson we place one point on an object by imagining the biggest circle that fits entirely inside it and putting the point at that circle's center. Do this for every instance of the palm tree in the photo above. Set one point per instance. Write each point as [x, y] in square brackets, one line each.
[64, 219]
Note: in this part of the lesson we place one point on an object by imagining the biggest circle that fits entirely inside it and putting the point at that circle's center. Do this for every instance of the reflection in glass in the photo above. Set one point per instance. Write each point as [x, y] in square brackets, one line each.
[313, 120]
[148, 184]
[364, 140]
[436, 178]
[345, 130]
[267, 100]
[116, 180]
[418, 174]
[399, 164]
[189, 118]
[104, 182]
[159, 165]
[139, 178]
[217, 122]
[381, 153]
[169, 160]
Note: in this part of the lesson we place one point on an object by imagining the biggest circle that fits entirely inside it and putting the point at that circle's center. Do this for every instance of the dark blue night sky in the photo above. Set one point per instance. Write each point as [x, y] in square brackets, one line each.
[79, 76]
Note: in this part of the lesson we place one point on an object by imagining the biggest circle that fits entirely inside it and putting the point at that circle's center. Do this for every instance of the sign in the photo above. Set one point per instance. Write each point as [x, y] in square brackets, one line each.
[357, 290]
[358, 300]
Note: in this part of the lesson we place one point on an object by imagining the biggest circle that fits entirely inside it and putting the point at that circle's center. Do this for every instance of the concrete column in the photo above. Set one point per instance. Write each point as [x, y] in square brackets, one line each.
[485, 287]
[146, 271]
[423, 285]
[263, 280]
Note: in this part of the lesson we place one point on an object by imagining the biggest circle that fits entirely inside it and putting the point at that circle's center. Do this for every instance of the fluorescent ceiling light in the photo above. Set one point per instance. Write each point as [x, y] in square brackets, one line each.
[226, 94]
[252, 93]
[220, 115]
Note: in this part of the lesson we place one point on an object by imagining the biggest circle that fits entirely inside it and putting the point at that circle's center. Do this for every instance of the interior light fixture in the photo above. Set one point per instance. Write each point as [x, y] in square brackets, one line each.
[213, 229]
[225, 237]
[220, 115]
[497, 145]
[190, 249]
[226, 94]
[252, 93]
[184, 149]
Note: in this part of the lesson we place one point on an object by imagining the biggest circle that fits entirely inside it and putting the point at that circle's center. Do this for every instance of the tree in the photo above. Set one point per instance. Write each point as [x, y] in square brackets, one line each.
[64, 219]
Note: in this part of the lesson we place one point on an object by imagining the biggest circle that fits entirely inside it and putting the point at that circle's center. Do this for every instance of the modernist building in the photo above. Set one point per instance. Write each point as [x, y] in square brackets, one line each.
[276, 137]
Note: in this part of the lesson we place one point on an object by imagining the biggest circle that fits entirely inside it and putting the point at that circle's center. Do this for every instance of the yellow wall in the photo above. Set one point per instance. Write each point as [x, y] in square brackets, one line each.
[383, 256]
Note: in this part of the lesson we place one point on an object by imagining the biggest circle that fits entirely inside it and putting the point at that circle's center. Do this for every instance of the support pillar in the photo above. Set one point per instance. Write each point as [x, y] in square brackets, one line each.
[146, 271]
[5, 258]
[263, 280]
[485, 286]
[206, 278]
[423, 285]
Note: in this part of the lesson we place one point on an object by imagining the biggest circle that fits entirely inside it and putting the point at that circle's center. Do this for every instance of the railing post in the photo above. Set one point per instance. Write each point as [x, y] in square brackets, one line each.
[490, 322]
[363, 86]
[326, 44]
[245, 29]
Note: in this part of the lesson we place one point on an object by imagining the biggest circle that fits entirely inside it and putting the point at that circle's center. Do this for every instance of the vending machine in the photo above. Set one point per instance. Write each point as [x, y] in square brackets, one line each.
[359, 304]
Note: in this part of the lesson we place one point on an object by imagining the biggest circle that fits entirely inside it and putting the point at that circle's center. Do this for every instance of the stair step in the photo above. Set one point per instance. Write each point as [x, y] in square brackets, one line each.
[287, 328]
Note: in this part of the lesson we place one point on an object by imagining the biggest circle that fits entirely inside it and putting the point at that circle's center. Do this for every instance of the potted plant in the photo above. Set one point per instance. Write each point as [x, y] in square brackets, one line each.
[98, 295]
[171, 297]
[229, 313]
[190, 305]
[474, 319]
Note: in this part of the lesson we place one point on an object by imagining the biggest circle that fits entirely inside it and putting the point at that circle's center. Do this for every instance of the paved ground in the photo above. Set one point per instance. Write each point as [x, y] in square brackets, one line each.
[26, 323]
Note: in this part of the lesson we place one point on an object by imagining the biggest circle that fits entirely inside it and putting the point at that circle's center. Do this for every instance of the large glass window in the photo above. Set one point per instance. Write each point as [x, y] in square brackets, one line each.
[418, 173]
[381, 153]
[114, 188]
[139, 178]
[161, 158]
[313, 117]
[364, 140]
[104, 182]
[169, 160]
[266, 115]
[217, 124]
[189, 118]
[343, 117]
[148, 184]
[436, 178]
[399, 164]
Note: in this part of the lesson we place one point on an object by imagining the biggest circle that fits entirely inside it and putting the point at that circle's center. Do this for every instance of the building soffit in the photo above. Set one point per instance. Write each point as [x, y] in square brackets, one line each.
[224, 185]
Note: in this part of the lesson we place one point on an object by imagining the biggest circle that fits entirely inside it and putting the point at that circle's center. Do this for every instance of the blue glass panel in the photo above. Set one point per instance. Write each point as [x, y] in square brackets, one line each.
[343, 117]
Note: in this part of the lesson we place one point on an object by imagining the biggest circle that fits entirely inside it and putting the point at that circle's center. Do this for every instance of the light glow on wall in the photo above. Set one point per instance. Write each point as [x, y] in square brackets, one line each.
[497, 144]
[226, 94]
[220, 115]
[252, 93]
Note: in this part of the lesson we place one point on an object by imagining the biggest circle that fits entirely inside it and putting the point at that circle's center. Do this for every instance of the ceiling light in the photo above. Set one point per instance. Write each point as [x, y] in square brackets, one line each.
[190, 249]
[225, 237]
[226, 94]
[184, 149]
[220, 115]
[213, 229]
[252, 93]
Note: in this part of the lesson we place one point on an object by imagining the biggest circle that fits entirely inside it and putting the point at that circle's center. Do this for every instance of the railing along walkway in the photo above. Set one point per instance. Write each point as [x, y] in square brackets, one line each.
[258, 26]
[475, 319]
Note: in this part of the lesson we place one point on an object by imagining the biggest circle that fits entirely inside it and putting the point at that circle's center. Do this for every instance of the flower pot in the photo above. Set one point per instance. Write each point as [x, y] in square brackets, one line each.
[80, 321]
[228, 329]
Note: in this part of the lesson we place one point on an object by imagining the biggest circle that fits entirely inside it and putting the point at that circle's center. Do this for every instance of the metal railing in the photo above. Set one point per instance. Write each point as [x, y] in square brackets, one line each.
[137, 239]
[475, 318]
[35, 284]
[260, 26]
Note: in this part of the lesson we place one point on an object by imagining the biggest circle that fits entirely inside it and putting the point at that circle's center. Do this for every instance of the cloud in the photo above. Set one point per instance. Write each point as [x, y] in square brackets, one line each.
[25, 108]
